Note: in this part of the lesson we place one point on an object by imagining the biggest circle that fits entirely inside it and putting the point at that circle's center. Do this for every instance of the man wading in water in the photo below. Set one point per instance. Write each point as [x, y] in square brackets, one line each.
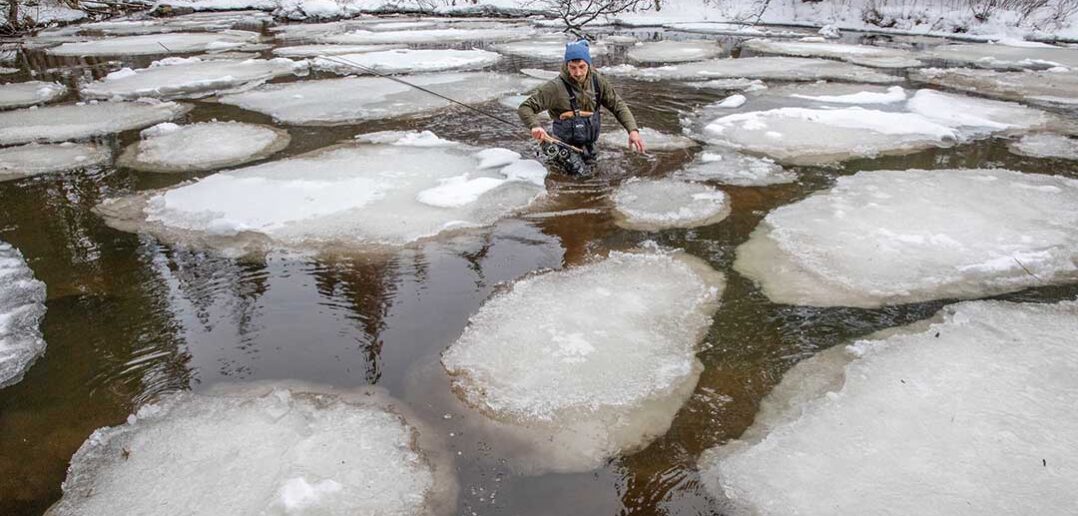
[573, 100]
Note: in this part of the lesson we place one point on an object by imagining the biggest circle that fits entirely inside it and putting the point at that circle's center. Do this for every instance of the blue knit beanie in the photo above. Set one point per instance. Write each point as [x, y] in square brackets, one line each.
[578, 50]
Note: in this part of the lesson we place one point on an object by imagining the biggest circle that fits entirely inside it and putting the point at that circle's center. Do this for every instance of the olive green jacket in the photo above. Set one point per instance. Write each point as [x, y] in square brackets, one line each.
[553, 98]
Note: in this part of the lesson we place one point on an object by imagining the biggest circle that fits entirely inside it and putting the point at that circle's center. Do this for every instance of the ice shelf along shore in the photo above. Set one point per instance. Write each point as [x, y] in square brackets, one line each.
[22, 306]
[580, 365]
[655, 204]
[290, 449]
[43, 158]
[388, 189]
[174, 78]
[169, 147]
[74, 121]
[890, 237]
[971, 412]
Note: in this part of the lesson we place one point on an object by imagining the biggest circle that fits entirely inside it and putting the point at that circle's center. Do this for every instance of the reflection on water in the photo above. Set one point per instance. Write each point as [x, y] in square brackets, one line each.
[130, 319]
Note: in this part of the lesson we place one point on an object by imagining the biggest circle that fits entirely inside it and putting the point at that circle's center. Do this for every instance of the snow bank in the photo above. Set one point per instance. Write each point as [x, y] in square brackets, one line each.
[1046, 145]
[151, 44]
[971, 412]
[202, 146]
[287, 449]
[865, 55]
[765, 68]
[36, 158]
[71, 122]
[408, 61]
[730, 167]
[23, 94]
[190, 78]
[584, 364]
[878, 238]
[654, 140]
[656, 204]
[22, 306]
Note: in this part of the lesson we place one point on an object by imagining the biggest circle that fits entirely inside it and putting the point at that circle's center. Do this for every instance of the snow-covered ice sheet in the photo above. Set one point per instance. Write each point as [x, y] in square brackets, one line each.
[730, 167]
[864, 95]
[22, 306]
[402, 188]
[353, 99]
[1046, 145]
[175, 78]
[976, 117]
[152, 44]
[546, 49]
[367, 37]
[74, 121]
[329, 50]
[1047, 88]
[971, 412]
[765, 68]
[653, 139]
[656, 204]
[37, 158]
[204, 146]
[586, 363]
[1007, 57]
[408, 61]
[22, 94]
[890, 237]
[865, 55]
[263, 449]
[673, 51]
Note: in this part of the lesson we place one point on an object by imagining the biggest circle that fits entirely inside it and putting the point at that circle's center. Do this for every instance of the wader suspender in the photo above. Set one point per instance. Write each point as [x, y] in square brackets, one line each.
[572, 96]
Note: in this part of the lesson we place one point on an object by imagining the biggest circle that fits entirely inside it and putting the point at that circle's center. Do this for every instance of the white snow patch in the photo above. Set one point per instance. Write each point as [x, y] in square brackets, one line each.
[732, 102]
[893, 94]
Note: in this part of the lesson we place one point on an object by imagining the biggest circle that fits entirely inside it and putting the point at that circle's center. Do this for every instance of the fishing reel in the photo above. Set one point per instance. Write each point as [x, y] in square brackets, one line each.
[551, 150]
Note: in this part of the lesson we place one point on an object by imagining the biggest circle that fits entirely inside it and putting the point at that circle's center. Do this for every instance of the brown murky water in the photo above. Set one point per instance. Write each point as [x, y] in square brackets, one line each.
[130, 319]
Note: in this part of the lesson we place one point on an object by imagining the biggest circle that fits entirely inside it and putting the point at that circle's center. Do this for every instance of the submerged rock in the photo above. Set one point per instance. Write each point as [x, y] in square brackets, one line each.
[175, 78]
[765, 68]
[23, 94]
[890, 237]
[931, 418]
[22, 306]
[865, 55]
[670, 51]
[408, 61]
[263, 449]
[74, 121]
[203, 146]
[656, 204]
[36, 158]
[1046, 145]
[153, 44]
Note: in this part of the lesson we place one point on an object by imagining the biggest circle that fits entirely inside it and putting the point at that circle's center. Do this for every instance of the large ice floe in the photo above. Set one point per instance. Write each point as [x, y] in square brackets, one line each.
[263, 449]
[37, 158]
[22, 94]
[330, 50]
[22, 306]
[355, 99]
[193, 77]
[74, 121]
[671, 51]
[865, 55]
[407, 61]
[152, 44]
[450, 35]
[766, 68]
[655, 204]
[889, 237]
[971, 412]
[580, 365]
[1008, 57]
[204, 146]
[546, 49]
[1046, 145]
[1050, 89]
[730, 167]
[388, 189]
[655, 140]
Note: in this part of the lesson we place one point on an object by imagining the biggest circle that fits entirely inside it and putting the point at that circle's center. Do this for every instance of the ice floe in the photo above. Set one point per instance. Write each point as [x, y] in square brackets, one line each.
[655, 140]
[1046, 145]
[22, 94]
[407, 61]
[268, 449]
[451, 35]
[655, 204]
[890, 237]
[1007, 57]
[546, 49]
[971, 412]
[74, 121]
[747, 85]
[865, 55]
[730, 167]
[1050, 89]
[329, 50]
[405, 187]
[583, 364]
[734, 29]
[975, 117]
[151, 44]
[37, 158]
[672, 51]
[766, 68]
[204, 146]
[863, 95]
[354, 99]
[543, 75]
[22, 306]
[193, 77]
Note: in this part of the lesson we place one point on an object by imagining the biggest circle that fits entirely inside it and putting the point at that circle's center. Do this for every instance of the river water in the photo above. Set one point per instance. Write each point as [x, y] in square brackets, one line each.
[131, 319]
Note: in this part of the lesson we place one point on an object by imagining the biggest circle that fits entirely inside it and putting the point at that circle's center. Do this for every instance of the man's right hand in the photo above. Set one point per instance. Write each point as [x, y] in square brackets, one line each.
[540, 134]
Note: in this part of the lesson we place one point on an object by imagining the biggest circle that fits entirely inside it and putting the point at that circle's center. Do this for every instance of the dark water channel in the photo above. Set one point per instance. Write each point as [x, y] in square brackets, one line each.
[131, 319]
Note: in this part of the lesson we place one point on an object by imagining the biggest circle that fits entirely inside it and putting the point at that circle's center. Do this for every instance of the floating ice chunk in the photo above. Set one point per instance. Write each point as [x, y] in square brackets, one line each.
[1039, 88]
[1045, 145]
[22, 94]
[656, 204]
[203, 146]
[974, 116]
[354, 99]
[408, 61]
[1007, 57]
[746, 85]
[670, 51]
[406, 138]
[22, 306]
[892, 237]
[734, 29]
[583, 364]
[496, 158]
[150, 44]
[351, 195]
[733, 168]
[880, 57]
[314, 451]
[930, 418]
[792, 135]
[36, 158]
[893, 94]
[330, 50]
[546, 49]
[367, 37]
[70, 122]
[732, 102]
[543, 75]
[766, 68]
[654, 140]
[190, 78]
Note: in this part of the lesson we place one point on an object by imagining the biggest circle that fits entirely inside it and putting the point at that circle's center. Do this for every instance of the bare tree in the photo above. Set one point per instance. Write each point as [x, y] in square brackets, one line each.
[578, 13]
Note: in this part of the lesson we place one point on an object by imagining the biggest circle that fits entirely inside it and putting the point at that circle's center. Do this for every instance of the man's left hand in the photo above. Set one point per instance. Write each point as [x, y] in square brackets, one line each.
[636, 143]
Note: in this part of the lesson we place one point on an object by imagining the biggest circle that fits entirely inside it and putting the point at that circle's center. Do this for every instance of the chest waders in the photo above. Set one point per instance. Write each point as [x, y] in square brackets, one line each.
[578, 131]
